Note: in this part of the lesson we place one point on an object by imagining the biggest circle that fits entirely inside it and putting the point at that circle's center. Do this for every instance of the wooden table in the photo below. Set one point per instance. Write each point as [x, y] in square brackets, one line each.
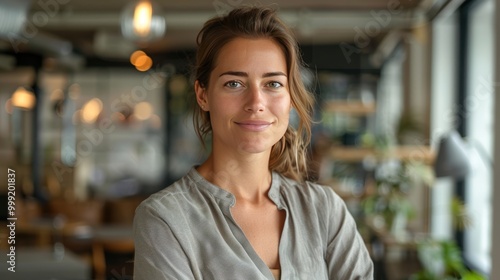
[103, 238]
[44, 232]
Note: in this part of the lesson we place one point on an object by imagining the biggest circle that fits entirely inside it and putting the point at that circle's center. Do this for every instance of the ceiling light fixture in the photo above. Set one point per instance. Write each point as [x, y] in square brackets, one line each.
[141, 20]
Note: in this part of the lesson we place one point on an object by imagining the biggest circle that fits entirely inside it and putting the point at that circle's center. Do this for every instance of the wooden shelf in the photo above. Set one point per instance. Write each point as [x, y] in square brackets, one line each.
[356, 108]
[346, 192]
[404, 153]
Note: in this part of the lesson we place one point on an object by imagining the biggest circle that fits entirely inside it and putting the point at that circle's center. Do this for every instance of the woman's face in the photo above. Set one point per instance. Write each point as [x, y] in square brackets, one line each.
[247, 96]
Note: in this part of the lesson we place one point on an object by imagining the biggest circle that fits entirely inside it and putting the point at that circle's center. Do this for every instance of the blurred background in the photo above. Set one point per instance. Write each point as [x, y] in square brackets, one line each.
[95, 115]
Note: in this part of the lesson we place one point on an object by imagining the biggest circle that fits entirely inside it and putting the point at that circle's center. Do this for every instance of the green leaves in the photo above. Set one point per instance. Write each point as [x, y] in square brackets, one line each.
[460, 218]
[442, 260]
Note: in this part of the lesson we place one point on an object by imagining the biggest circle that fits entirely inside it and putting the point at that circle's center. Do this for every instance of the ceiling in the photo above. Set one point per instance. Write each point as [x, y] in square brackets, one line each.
[92, 27]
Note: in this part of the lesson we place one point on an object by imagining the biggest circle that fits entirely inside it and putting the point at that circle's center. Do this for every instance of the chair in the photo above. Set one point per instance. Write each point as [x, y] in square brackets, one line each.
[112, 256]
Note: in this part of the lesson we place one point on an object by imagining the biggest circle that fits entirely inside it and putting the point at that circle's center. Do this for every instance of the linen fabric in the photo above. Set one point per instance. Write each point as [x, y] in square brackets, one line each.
[186, 231]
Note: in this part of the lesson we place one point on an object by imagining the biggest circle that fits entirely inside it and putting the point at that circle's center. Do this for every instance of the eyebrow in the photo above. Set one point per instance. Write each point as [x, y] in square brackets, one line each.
[245, 74]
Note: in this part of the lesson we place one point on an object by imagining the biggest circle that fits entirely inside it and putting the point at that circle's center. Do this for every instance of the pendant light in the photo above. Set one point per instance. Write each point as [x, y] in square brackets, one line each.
[142, 21]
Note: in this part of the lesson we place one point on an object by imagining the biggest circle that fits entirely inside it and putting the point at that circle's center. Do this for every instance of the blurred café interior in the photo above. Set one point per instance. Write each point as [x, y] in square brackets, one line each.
[95, 115]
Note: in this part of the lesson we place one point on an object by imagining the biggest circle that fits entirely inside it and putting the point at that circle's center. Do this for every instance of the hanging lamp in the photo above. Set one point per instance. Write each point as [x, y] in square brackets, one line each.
[142, 21]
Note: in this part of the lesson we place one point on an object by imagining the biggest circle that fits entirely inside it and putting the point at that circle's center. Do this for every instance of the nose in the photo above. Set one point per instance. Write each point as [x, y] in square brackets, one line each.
[254, 100]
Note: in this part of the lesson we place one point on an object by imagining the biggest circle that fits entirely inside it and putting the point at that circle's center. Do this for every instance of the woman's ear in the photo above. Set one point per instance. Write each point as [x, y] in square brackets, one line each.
[201, 96]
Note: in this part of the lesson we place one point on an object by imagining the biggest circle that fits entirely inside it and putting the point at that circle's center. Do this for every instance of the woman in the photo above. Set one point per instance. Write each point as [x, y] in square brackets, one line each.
[247, 211]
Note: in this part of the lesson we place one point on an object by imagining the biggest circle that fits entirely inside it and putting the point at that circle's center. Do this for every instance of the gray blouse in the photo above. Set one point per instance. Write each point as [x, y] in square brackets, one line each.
[186, 231]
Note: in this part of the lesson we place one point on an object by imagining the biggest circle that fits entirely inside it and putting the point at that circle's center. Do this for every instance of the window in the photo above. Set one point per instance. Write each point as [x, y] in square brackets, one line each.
[479, 125]
[444, 89]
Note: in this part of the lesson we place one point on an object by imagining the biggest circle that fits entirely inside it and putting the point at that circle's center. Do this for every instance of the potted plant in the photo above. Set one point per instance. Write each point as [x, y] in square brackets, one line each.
[442, 260]
[389, 207]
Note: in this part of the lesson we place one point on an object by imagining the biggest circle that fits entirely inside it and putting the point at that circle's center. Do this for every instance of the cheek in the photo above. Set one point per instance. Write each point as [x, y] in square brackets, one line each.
[223, 106]
[284, 107]
[221, 112]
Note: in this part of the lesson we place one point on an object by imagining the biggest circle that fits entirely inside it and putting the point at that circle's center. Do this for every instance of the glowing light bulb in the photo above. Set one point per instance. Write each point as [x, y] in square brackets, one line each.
[91, 110]
[142, 21]
[135, 56]
[143, 111]
[23, 99]
[143, 14]
[145, 65]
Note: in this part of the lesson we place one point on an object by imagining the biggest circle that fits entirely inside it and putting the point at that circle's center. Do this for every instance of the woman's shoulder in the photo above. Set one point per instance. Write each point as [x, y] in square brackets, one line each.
[187, 195]
[309, 202]
[309, 191]
[172, 196]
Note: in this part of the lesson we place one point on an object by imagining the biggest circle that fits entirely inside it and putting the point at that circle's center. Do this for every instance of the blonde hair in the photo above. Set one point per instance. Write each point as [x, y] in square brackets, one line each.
[289, 155]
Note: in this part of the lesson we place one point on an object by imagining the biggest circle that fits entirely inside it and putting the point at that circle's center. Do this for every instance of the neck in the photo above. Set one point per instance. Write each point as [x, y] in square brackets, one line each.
[247, 178]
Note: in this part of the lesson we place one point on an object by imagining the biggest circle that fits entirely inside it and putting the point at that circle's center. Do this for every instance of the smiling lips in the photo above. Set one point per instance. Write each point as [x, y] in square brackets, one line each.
[254, 125]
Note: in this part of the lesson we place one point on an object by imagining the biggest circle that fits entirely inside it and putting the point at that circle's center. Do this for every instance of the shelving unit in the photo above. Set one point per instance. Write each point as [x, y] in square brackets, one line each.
[354, 108]
[355, 152]
[404, 153]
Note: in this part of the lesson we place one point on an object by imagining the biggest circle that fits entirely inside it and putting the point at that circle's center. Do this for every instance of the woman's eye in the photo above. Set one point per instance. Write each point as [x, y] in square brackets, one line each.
[233, 84]
[274, 85]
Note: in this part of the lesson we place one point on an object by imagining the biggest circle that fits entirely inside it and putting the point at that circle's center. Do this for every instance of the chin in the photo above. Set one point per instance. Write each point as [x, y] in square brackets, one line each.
[254, 147]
